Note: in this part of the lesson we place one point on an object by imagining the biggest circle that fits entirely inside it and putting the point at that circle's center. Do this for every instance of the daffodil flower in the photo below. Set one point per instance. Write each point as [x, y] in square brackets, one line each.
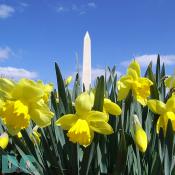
[22, 101]
[140, 136]
[140, 86]
[82, 125]
[166, 112]
[4, 140]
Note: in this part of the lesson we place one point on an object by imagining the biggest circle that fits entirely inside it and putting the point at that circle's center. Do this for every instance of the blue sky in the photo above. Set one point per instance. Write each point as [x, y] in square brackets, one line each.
[35, 34]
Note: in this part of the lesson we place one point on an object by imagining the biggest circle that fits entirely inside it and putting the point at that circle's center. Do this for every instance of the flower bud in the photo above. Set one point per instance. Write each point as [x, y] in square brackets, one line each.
[140, 136]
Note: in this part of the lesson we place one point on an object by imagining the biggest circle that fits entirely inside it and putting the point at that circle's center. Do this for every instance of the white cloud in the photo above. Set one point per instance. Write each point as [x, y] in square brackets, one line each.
[60, 9]
[5, 53]
[6, 11]
[144, 60]
[23, 4]
[17, 73]
[78, 8]
[96, 72]
[91, 4]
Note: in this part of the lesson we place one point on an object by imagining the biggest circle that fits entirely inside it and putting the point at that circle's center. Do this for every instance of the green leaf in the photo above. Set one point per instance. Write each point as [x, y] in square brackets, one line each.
[154, 89]
[99, 95]
[61, 88]
[158, 71]
[121, 157]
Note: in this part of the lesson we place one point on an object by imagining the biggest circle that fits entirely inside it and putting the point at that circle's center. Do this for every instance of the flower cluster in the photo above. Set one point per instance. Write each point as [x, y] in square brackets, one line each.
[22, 101]
[28, 100]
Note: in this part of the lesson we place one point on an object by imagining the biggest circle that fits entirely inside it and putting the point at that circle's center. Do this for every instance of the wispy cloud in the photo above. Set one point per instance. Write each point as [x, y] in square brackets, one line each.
[91, 4]
[17, 73]
[24, 4]
[61, 8]
[144, 60]
[5, 53]
[78, 8]
[6, 11]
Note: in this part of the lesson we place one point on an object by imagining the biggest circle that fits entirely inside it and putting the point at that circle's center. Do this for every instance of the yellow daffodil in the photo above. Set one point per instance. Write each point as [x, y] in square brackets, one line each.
[166, 112]
[82, 125]
[68, 80]
[22, 101]
[140, 86]
[4, 140]
[140, 136]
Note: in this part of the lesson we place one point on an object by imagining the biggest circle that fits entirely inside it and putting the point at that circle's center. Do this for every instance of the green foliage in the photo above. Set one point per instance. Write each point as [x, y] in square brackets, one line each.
[115, 154]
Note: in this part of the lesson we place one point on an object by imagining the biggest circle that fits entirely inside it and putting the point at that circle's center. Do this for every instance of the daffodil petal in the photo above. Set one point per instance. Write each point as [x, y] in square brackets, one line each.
[101, 127]
[170, 104]
[41, 115]
[162, 123]
[1, 104]
[156, 106]
[4, 139]
[111, 107]
[67, 121]
[6, 87]
[47, 88]
[27, 90]
[123, 90]
[158, 124]
[171, 116]
[141, 139]
[139, 134]
[83, 103]
[135, 65]
[97, 116]
[170, 82]
[132, 73]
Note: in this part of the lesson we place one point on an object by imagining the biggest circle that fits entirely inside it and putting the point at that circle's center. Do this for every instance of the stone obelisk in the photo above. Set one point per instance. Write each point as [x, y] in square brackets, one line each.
[87, 62]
